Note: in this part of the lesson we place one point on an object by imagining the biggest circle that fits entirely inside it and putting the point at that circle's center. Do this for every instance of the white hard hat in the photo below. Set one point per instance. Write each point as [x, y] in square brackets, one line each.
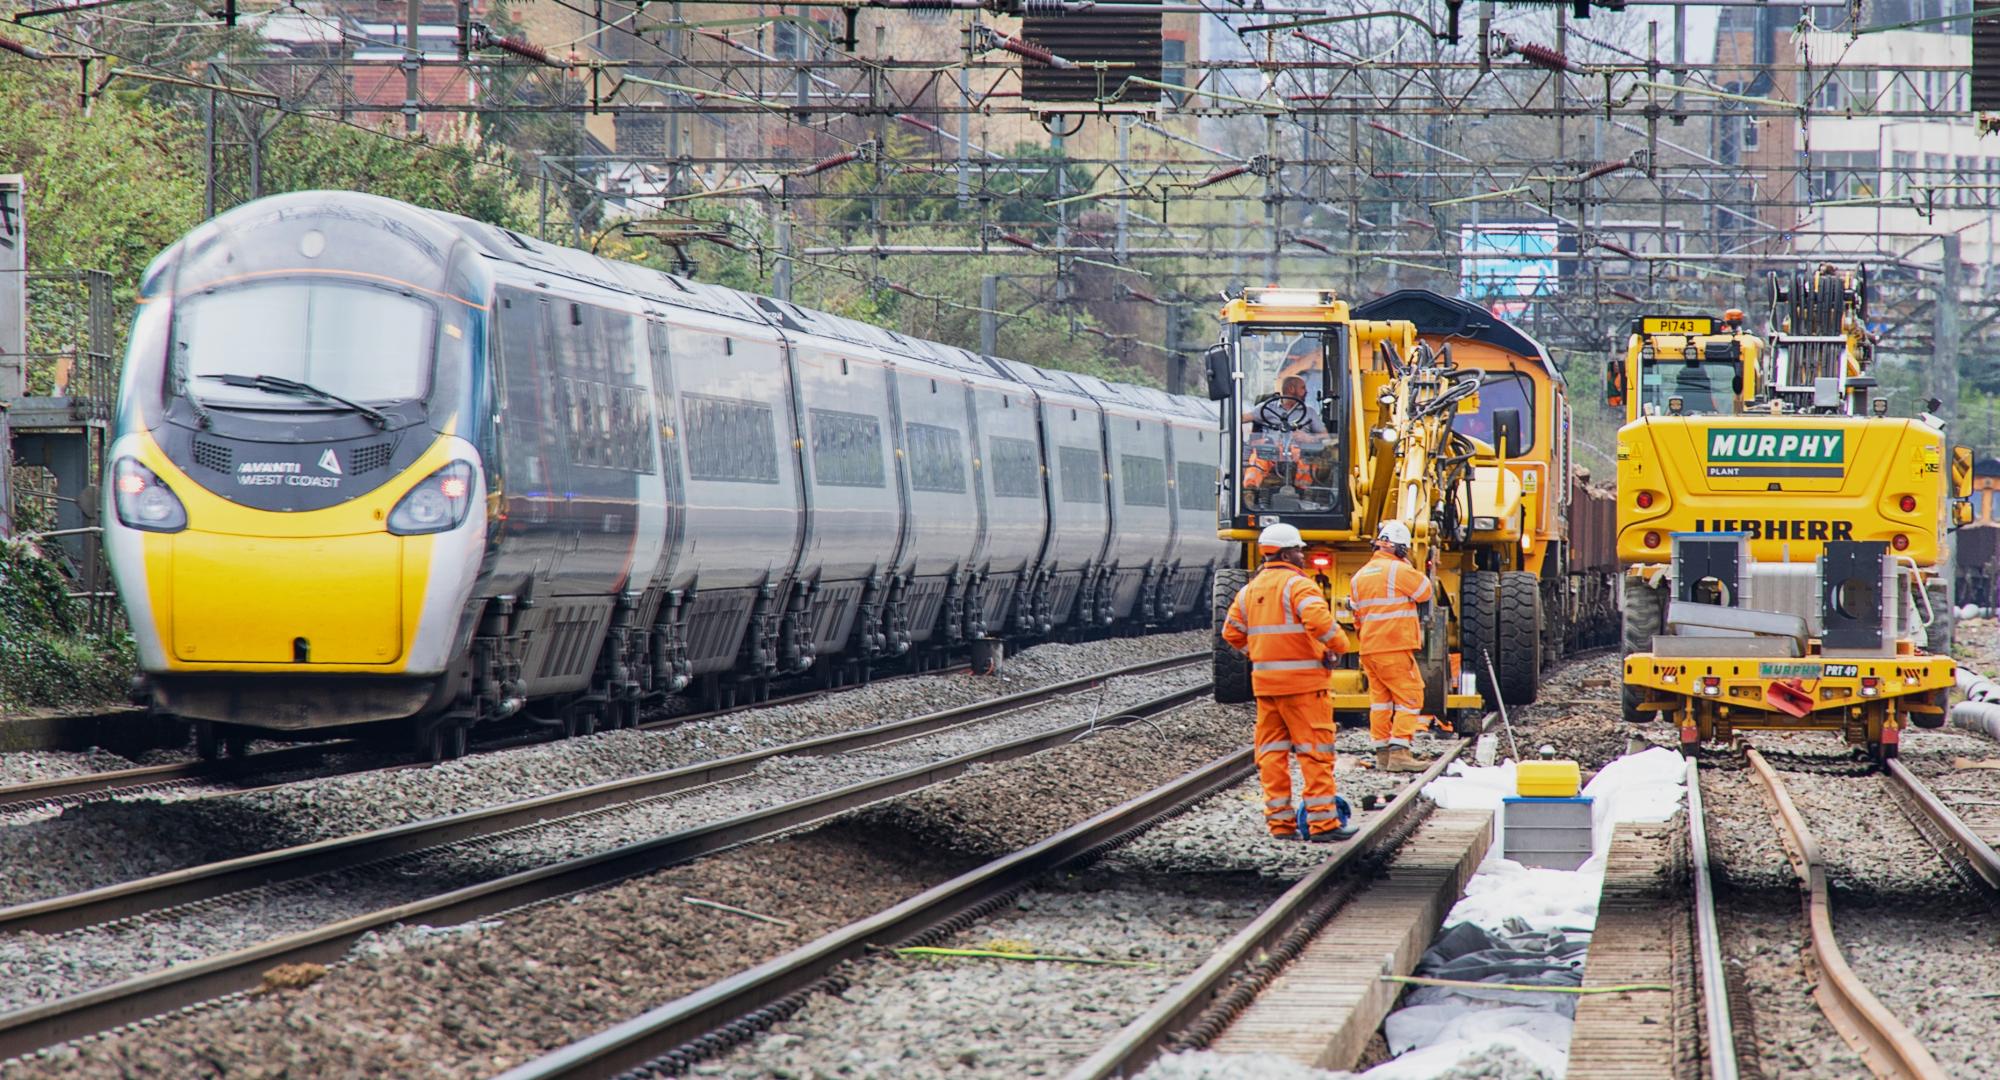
[1394, 532]
[1279, 537]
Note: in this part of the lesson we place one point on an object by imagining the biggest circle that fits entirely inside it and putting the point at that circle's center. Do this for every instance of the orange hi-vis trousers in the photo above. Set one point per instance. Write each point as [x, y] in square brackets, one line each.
[1299, 724]
[1395, 697]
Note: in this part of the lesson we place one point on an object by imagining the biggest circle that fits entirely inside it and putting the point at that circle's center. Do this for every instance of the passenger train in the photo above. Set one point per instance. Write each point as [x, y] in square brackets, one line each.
[376, 463]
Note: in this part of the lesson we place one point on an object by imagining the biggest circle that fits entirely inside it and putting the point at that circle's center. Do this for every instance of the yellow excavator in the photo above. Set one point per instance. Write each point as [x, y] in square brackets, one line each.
[1334, 424]
[1777, 554]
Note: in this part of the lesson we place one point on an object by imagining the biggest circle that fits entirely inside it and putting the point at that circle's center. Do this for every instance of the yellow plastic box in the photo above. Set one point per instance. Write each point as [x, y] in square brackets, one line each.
[1547, 779]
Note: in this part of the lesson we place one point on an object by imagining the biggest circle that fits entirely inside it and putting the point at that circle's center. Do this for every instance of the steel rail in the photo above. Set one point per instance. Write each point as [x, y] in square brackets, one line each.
[723, 1013]
[69, 790]
[131, 898]
[26, 1030]
[1708, 940]
[93, 787]
[1145, 1038]
[1885, 1045]
[1980, 855]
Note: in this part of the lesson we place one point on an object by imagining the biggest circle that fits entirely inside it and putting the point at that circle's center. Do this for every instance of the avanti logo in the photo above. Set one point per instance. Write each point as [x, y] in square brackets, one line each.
[1783, 445]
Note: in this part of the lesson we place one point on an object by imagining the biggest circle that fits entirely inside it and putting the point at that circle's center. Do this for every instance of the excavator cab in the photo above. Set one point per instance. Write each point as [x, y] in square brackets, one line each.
[1686, 365]
[1289, 455]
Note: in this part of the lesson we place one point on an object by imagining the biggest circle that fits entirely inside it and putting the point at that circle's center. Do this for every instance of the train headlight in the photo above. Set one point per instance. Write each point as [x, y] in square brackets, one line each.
[436, 504]
[143, 500]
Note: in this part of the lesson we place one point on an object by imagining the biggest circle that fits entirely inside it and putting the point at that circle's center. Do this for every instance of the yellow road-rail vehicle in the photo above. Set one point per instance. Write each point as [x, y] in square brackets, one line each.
[1335, 422]
[1549, 563]
[1777, 555]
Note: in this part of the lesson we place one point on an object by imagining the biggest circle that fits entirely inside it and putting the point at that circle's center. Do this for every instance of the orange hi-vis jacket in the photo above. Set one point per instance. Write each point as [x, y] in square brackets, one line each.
[1385, 596]
[1282, 620]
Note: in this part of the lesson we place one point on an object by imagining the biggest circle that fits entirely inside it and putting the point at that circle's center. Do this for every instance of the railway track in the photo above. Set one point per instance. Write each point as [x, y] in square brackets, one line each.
[672, 1038]
[1884, 1043]
[255, 770]
[187, 984]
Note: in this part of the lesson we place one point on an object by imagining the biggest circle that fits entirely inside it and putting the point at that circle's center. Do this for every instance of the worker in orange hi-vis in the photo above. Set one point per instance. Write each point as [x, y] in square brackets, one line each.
[1282, 620]
[1385, 595]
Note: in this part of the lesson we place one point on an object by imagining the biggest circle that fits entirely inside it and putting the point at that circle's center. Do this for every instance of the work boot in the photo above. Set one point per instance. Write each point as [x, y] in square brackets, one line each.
[1399, 759]
[1284, 837]
[1344, 832]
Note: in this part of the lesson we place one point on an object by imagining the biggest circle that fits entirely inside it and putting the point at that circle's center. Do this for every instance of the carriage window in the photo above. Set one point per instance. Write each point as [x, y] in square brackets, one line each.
[1082, 475]
[1016, 466]
[847, 449]
[936, 463]
[1145, 480]
[1194, 484]
[730, 440]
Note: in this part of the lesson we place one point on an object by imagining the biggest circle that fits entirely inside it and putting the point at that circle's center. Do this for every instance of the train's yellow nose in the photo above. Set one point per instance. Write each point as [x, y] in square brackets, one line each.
[286, 600]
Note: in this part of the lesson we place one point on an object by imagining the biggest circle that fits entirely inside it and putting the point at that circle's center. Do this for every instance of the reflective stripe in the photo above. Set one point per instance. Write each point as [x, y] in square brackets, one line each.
[1327, 638]
[1381, 615]
[1320, 748]
[1273, 804]
[1319, 800]
[1392, 574]
[1238, 624]
[1381, 706]
[1283, 665]
[1423, 590]
[1272, 747]
[1290, 628]
[1378, 601]
[1285, 599]
[1323, 815]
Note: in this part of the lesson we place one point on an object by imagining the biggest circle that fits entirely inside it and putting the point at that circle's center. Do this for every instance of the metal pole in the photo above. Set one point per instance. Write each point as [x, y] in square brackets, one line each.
[1176, 363]
[781, 271]
[1944, 387]
[413, 58]
[208, 148]
[1124, 178]
[989, 323]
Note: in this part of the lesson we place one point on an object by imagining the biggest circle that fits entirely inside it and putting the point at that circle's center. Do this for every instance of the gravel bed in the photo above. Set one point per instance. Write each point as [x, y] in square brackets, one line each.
[35, 968]
[475, 1000]
[1976, 644]
[107, 842]
[1158, 907]
[1577, 713]
[30, 766]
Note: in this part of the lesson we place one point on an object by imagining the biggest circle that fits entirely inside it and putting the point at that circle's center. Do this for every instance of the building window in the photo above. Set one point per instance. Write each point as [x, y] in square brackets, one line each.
[1844, 174]
[1173, 58]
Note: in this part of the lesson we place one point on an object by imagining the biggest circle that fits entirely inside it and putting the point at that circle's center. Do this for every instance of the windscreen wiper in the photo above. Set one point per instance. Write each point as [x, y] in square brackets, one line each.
[201, 417]
[278, 384]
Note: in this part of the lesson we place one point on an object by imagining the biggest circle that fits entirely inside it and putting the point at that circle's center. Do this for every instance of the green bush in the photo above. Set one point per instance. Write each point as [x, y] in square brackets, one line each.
[48, 654]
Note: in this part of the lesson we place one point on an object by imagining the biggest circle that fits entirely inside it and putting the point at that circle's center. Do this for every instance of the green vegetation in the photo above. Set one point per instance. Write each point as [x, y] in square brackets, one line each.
[49, 656]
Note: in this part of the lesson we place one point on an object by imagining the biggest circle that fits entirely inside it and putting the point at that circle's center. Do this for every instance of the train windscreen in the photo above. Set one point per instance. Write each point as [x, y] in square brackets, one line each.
[348, 339]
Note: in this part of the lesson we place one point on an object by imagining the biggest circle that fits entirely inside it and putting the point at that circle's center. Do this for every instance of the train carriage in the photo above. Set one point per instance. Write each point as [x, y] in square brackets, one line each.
[377, 463]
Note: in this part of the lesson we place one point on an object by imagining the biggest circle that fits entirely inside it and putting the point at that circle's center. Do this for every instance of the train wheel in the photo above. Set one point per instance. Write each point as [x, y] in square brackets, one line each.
[236, 746]
[455, 741]
[435, 745]
[586, 721]
[206, 746]
[1518, 648]
[1479, 626]
[1232, 669]
[1645, 611]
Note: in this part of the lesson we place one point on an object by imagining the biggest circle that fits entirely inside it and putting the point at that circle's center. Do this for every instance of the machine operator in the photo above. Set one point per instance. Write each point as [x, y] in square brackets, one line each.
[1385, 594]
[1283, 621]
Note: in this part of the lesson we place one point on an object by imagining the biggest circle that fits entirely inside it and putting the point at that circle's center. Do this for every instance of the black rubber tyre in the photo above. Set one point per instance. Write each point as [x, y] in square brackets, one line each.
[1232, 668]
[1478, 626]
[1518, 652]
[1645, 612]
